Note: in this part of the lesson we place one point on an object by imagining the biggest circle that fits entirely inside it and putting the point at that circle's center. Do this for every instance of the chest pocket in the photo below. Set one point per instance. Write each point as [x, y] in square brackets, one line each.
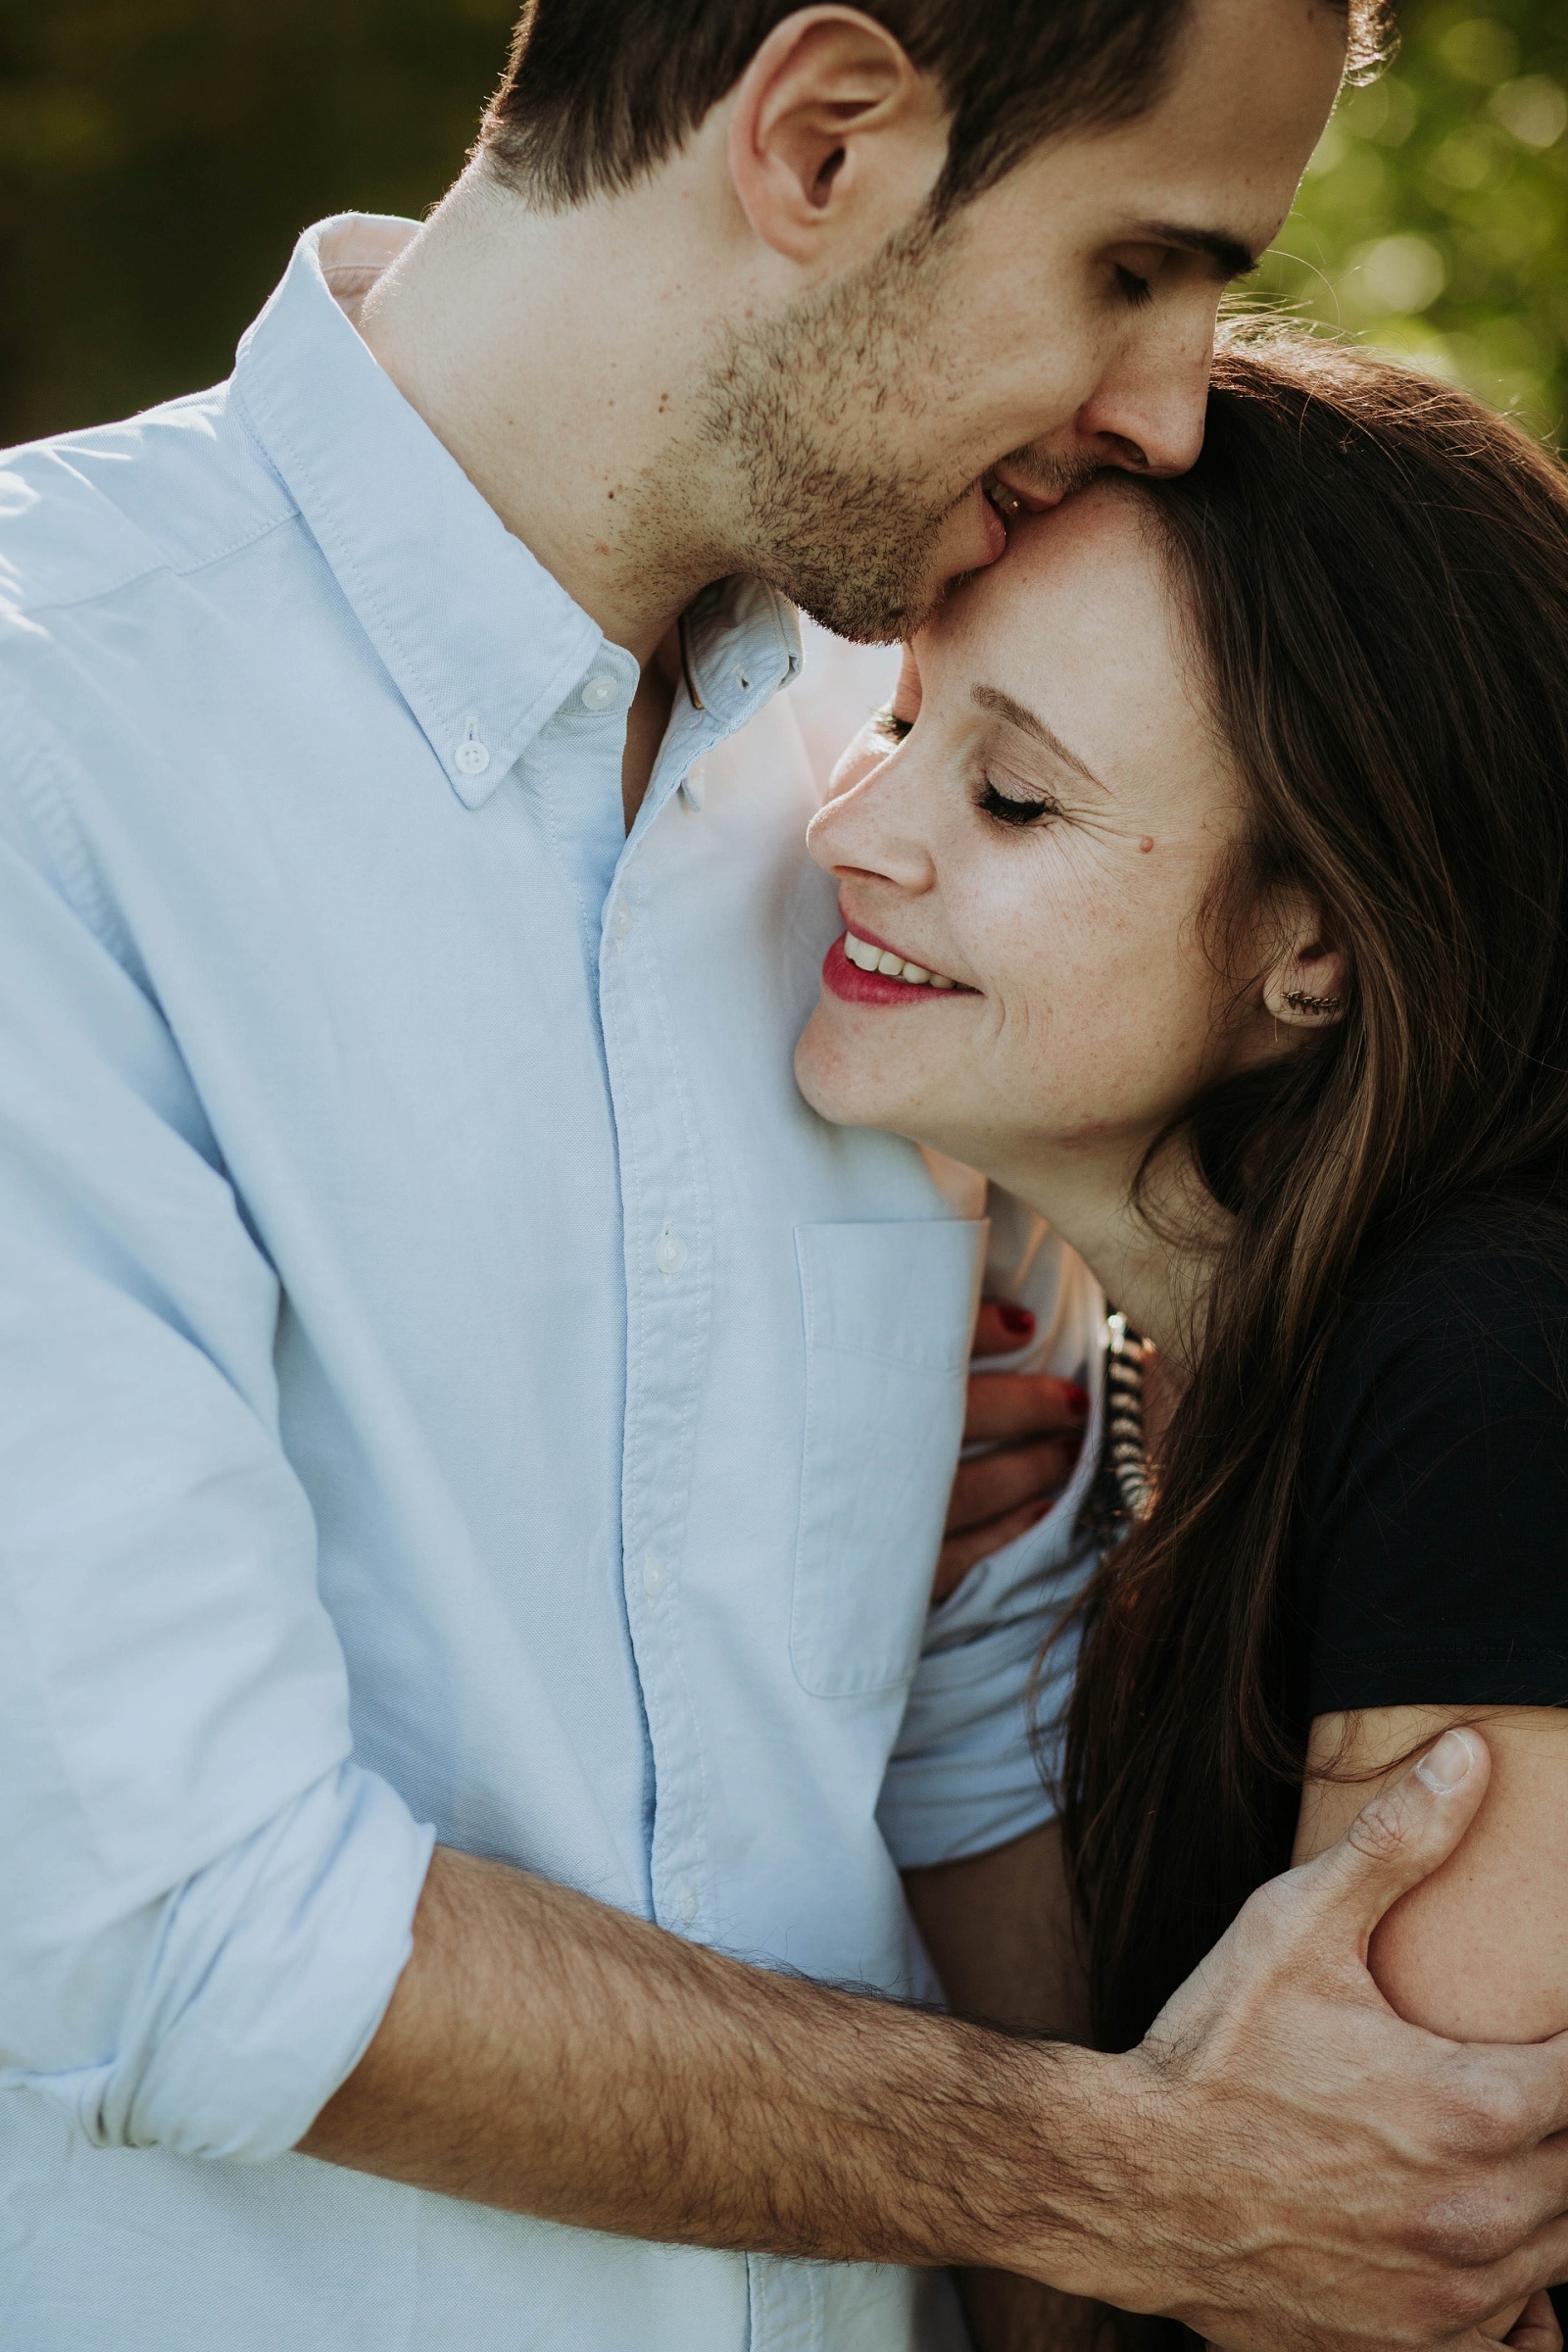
[888, 1314]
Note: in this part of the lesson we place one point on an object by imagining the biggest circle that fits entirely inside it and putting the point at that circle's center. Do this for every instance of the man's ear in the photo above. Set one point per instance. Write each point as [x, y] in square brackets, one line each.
[835, 139]
[1307, 983]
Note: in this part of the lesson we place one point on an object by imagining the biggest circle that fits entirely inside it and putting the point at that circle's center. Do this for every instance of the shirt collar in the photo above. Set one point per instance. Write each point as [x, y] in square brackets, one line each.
[481, 642]
[737, 637]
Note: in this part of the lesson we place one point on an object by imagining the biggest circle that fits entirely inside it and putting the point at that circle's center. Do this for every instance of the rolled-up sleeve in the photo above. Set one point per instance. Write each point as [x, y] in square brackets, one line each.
[208, 1903]
[977, 1757]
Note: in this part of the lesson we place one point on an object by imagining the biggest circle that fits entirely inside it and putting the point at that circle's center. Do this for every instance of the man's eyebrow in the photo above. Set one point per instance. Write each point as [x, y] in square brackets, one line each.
[992, 699]
[1230, 256]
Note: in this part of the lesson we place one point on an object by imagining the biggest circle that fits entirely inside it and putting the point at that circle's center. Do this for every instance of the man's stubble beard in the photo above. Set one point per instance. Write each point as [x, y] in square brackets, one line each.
[787, 420]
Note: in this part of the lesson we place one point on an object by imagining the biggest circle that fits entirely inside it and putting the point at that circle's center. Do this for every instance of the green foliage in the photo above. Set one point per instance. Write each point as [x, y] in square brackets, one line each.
[158, 158]
[1433, 219]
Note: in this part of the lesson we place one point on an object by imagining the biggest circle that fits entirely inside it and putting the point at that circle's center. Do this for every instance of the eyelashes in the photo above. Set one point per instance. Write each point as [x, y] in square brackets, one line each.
[1009, 812]
[1138, 290]
[1001, 807]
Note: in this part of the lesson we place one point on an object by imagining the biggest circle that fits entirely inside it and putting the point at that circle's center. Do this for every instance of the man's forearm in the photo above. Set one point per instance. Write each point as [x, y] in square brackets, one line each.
[999, 1928]
[550, 2055]
[547, 2054]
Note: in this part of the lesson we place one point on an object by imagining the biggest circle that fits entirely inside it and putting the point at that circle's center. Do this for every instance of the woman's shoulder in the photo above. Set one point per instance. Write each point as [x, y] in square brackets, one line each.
[1483, 1267]
[1458, 1329]
[1433, 1522]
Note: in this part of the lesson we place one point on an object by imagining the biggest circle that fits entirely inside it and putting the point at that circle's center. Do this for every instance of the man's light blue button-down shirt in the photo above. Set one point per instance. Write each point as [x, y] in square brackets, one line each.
[453, 1387]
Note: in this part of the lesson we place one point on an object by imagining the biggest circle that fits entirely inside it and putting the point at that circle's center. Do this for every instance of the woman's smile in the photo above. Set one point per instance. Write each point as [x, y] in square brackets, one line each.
[864, 969]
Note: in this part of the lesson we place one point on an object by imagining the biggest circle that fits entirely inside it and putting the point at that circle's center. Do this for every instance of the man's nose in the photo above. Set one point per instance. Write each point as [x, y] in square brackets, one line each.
[1145, 415]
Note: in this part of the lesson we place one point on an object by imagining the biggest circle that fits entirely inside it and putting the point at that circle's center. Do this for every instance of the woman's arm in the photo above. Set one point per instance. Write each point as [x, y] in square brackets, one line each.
[1479, 1951]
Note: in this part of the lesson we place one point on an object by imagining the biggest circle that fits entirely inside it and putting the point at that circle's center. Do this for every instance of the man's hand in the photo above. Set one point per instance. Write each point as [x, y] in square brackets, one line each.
[1537, 2329]
[1314, 2172]
[1033, 1424]
[1283, 2163]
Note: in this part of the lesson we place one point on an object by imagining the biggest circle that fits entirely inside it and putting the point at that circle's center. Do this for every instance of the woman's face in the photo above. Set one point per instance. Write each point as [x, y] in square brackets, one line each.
[1043, 836]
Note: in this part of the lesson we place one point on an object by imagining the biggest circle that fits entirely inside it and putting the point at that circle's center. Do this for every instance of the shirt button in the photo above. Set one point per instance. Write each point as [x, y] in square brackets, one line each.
[670, 1251]
[599, 692]
[622, 922]
[652, 1577]
[688, 1906]
[472, 756]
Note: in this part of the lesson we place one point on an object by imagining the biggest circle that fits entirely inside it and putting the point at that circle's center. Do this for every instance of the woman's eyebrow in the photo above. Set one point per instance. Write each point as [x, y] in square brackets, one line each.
[998, 705]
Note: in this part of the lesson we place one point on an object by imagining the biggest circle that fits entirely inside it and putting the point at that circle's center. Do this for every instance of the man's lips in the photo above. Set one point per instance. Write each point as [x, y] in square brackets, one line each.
[891, 979]
[1011, 497]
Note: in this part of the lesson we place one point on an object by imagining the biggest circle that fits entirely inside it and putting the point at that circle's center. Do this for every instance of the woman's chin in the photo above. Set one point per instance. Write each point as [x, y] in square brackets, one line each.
[839, 1084]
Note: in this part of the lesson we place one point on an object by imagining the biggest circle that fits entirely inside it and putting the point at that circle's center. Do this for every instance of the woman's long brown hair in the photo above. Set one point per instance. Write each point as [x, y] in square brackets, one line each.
[1376, 571]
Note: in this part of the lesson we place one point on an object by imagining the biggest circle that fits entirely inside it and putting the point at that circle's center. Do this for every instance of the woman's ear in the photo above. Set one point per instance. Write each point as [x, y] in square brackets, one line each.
[1305, 987]
[835, 139]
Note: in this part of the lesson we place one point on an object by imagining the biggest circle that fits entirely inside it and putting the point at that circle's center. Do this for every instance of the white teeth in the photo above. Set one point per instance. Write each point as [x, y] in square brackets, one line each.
[891, 966]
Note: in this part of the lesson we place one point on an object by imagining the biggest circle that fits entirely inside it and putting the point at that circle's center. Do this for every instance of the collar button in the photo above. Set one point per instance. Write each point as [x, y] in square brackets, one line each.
[472, 756]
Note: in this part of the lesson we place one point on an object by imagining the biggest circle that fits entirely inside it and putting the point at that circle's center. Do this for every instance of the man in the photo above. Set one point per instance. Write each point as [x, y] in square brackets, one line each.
[451, 1380]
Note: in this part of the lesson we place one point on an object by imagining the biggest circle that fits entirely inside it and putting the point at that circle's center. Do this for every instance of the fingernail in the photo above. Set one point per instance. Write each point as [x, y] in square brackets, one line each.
[1077, 1401]
[1018, 1320]
[1448, 1764]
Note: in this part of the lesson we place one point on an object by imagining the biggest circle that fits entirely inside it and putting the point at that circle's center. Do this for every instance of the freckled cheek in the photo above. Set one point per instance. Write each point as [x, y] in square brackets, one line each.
[1110, 1032]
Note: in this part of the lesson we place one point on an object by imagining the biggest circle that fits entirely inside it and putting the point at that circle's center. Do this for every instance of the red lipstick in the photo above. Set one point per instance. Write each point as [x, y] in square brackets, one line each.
[858, 987]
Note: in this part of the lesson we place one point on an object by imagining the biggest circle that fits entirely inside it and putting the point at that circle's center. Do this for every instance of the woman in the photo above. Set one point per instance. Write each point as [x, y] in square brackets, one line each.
[1210, 892]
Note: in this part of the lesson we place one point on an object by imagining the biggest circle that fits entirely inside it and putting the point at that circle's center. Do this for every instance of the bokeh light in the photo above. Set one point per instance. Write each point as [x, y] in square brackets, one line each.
[1434, 220]
[158, 158]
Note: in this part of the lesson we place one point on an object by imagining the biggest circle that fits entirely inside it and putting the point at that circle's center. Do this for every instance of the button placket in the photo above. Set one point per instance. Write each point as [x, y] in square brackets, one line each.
[670, 1251]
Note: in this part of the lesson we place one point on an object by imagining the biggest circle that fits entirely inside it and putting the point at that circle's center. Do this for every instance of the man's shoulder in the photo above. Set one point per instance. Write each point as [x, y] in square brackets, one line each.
[84, 515]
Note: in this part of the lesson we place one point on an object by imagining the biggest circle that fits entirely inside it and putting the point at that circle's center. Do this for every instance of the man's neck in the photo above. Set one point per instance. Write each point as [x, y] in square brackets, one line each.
[528, 343]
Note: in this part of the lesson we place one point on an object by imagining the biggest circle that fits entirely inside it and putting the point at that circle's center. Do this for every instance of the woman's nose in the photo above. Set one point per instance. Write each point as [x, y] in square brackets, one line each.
[866, 831]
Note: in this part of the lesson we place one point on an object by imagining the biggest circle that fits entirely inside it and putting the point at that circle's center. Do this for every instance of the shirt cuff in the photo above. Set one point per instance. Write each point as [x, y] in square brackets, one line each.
[259, 1982]
[977, 1756]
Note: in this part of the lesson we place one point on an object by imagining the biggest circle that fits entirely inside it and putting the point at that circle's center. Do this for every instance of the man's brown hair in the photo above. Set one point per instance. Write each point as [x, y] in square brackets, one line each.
[596, 92]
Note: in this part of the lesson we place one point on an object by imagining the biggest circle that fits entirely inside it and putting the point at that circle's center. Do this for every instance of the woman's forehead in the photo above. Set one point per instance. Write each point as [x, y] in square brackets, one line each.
[1082, 603]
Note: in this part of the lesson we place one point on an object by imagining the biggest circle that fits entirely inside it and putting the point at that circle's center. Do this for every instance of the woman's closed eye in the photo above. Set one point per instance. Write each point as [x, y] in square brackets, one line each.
[887, 723]
[1014, 807]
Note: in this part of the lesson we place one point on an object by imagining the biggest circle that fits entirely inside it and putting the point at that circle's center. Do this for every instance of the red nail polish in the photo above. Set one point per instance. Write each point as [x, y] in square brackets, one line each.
[1019, 1321]
[1077, 1401]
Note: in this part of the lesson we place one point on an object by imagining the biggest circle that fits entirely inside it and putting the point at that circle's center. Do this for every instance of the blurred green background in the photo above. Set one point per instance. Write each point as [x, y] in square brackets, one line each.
[158, 157]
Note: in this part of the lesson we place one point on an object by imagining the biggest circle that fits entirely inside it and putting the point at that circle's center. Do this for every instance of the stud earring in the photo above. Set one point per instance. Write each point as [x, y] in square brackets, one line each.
[1300, 1001]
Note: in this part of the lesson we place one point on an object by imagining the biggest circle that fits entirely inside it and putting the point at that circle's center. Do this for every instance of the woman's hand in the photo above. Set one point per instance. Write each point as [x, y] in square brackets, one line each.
[1033, 1424]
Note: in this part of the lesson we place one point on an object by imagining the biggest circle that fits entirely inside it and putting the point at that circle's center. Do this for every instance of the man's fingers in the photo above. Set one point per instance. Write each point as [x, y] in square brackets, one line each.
[1004, 1406]
[991, 1484]
[1405, 1832]
[1536, 2328]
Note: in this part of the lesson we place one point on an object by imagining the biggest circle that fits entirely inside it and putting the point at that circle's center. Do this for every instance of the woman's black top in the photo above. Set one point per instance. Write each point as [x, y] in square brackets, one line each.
[1432, 1566]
